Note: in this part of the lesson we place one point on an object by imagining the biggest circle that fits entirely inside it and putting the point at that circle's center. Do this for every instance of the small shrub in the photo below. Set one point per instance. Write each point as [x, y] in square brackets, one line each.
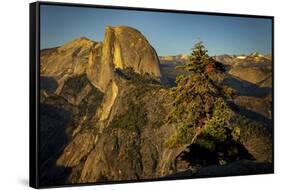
[136, 78]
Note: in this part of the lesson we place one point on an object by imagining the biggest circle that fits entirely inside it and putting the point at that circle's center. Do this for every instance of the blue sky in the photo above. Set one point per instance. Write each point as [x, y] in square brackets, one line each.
[168, 33]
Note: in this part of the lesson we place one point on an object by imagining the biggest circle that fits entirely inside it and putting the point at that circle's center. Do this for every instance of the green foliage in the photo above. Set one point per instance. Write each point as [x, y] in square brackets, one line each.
[137, 78]
[183, 135]
[200, 110]
[198, 59]
[133, 119]
[215, 126]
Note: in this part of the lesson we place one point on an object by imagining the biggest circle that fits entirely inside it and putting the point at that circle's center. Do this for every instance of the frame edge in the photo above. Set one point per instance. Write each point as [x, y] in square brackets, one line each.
[33, 54]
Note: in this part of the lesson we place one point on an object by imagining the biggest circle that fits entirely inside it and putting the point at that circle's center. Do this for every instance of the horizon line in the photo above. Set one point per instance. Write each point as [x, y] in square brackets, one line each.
[182, 53]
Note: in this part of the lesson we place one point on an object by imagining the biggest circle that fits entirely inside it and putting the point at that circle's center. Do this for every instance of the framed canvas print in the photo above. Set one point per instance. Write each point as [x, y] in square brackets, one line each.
[120, 94]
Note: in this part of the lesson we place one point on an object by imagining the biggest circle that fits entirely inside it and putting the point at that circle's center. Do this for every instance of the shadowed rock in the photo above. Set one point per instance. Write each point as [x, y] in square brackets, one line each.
[48, 83]
[242, 167]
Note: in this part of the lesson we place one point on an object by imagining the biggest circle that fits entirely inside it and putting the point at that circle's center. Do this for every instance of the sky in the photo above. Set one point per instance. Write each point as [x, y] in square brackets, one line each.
[168, 33]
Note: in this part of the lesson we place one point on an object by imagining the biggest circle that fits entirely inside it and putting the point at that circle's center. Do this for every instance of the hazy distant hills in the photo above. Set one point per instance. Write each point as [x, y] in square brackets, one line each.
[252, 58]
[103, 107]
[244, 60]
[174, 58]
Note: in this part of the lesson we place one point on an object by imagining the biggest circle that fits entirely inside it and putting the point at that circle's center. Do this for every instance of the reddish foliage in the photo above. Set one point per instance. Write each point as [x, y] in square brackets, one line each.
[209, 68]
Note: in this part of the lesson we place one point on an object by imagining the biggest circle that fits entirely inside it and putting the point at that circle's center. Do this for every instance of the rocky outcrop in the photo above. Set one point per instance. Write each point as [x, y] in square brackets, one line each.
[128, 151]
[122, 47]
[65, 61]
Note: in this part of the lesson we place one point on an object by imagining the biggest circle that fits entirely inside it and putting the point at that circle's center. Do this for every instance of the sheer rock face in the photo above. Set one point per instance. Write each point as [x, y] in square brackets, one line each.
[131, 49]
[122, 47]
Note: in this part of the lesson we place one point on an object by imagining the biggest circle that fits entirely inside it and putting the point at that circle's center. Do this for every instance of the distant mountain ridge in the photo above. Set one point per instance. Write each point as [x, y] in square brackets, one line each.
[255, 57]
[179, 57]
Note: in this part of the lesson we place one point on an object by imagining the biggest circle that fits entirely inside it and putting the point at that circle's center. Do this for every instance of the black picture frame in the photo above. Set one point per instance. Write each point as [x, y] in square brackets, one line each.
[34, 83]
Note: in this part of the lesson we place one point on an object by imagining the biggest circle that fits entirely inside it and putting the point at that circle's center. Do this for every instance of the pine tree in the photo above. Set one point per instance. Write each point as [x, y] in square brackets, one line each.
[200, 110]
